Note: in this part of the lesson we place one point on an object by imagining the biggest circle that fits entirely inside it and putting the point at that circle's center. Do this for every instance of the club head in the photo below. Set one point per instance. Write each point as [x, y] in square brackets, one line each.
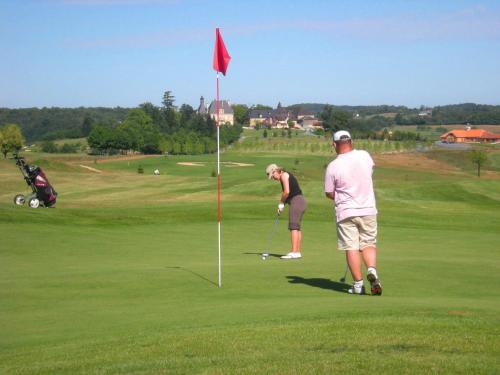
[342, 279]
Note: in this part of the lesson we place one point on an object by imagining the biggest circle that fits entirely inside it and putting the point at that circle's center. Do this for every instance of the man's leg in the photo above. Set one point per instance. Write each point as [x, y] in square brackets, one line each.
[368, 239]
[353, 259]
[370, 256]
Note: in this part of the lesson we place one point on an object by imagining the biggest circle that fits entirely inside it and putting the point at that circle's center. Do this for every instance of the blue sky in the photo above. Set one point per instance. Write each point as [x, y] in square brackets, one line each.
[70, 53]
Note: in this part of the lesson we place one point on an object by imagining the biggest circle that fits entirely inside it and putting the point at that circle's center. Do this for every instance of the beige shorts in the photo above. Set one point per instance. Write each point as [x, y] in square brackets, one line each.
[357, 233]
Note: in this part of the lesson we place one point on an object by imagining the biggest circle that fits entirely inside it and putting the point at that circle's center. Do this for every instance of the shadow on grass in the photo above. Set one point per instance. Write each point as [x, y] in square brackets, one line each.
[320, 283]
[270, 254]
[193, 273]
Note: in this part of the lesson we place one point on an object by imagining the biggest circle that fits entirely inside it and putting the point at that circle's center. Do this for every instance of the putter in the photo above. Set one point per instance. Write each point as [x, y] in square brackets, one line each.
[265, 253]
[342, 279]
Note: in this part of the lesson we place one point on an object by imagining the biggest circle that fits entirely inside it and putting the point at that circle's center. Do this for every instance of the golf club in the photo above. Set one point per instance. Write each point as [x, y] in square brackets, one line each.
[265, 253]
[342, 279]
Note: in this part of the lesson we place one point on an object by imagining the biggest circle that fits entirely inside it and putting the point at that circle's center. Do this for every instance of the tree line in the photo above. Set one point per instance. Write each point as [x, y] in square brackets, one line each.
[371, 126]
[43, 124]
[152, 129]
[60, 123]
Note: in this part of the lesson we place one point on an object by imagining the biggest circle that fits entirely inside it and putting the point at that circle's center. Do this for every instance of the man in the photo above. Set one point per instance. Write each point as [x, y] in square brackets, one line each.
[348, 182]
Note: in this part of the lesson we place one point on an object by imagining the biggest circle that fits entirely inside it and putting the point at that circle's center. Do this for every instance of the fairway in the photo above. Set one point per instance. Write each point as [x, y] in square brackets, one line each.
[121, 277]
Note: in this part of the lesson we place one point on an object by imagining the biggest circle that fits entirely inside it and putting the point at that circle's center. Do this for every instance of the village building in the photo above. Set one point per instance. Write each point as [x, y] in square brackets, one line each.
[302, 113]
[469, 135]
[310, 123]
[260, 116]
[425, 112]
[202, 108]
[283, 118]
[226, 113]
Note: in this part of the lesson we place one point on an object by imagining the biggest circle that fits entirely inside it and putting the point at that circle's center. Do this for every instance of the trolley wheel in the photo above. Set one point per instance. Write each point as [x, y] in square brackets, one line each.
[19, 199]
[34, 202]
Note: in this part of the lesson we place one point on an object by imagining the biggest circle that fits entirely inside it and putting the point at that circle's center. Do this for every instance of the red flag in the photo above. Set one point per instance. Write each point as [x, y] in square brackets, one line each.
[221, 57]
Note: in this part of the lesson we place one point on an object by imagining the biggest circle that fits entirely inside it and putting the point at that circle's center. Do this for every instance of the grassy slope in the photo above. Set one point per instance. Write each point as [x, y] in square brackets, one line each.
[121, 277]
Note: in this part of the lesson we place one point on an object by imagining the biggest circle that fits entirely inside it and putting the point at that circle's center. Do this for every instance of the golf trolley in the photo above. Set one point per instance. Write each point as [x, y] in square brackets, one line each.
[43, 193]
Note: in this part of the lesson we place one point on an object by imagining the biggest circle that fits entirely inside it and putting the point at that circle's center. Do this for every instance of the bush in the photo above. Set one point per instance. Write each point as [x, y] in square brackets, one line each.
[50, 147]
[68, 148]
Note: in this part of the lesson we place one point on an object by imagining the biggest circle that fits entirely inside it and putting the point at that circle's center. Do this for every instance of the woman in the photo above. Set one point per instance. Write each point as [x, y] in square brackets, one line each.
[291, 194]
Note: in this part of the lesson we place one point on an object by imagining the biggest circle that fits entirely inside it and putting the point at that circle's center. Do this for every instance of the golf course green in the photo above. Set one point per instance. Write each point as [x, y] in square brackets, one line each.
[121, 277]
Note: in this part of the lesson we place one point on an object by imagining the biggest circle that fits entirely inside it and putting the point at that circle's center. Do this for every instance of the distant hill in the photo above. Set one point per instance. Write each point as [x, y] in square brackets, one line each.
[474, 114]
[58, 123]
[362, 110]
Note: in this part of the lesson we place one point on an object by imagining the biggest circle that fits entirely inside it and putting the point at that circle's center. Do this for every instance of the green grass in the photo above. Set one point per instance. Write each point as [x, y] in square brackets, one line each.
[121, 278]
[462, 159]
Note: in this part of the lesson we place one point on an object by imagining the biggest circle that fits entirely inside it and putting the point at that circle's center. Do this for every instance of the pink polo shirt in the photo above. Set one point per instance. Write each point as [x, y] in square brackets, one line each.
[350, 177]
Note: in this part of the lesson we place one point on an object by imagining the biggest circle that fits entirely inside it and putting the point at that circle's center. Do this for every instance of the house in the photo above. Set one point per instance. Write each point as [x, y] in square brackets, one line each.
[226, 113]
[260, 116]
[302, 113]
[469, 135]
[280, 118]
[310, 124]
[427, 112]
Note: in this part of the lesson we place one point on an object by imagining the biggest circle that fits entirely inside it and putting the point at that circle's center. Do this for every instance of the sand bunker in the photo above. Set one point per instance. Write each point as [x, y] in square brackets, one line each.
[192, 164]
[233, 164]
[226, 163]
[90, 168]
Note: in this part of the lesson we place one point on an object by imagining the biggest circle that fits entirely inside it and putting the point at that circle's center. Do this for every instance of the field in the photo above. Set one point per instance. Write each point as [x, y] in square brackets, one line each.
[121, 277]
[433, 132]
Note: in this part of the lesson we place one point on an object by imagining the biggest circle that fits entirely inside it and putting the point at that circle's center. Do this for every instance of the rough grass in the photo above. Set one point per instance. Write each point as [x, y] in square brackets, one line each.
[121, 277]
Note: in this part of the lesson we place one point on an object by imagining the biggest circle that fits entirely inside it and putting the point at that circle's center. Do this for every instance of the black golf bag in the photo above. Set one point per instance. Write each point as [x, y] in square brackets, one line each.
[43, 192]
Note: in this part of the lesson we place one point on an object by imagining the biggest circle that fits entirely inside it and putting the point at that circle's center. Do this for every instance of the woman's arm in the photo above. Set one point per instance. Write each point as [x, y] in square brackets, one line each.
[286, 186]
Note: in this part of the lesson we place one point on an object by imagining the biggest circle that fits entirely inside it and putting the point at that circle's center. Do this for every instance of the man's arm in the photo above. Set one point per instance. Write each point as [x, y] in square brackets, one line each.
[330, 195]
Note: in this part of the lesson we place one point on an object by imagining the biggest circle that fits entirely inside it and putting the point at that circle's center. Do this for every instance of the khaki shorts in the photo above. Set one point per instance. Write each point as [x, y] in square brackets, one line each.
[357, 233]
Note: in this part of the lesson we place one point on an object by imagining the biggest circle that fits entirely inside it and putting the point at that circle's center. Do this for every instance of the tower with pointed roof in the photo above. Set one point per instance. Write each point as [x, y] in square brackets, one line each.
[202, 109]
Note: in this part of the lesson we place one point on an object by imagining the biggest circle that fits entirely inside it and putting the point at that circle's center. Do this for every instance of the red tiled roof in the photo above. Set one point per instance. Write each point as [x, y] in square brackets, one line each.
[473, 133]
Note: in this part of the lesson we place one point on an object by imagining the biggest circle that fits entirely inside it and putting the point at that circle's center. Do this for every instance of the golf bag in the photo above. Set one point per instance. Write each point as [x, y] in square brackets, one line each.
[43, 192]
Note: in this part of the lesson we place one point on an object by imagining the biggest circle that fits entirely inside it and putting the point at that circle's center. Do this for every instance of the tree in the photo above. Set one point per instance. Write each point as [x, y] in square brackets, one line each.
[334, 120]
[169, 114]
[326, 116]
[100, 138]
[479, 158]
[68, 148]
[340, 120]
[143, 134]
[49, 147]
[241, 113]
[155, 113]
[187, 113]
[122, 140]
[260, 106]
[87, 125]
[168, 100]
[11, 139]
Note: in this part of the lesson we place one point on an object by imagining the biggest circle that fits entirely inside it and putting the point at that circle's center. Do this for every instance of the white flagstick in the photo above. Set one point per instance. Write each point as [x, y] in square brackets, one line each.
[218, 181]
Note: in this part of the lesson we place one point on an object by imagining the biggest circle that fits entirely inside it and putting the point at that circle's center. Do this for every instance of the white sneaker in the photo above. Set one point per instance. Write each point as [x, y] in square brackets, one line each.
[292, 256]
[355, 289]
[376, 286]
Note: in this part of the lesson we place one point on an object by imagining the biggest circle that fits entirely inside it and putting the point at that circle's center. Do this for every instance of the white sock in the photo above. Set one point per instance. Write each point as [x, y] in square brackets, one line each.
[373, 270]
[358, 284]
